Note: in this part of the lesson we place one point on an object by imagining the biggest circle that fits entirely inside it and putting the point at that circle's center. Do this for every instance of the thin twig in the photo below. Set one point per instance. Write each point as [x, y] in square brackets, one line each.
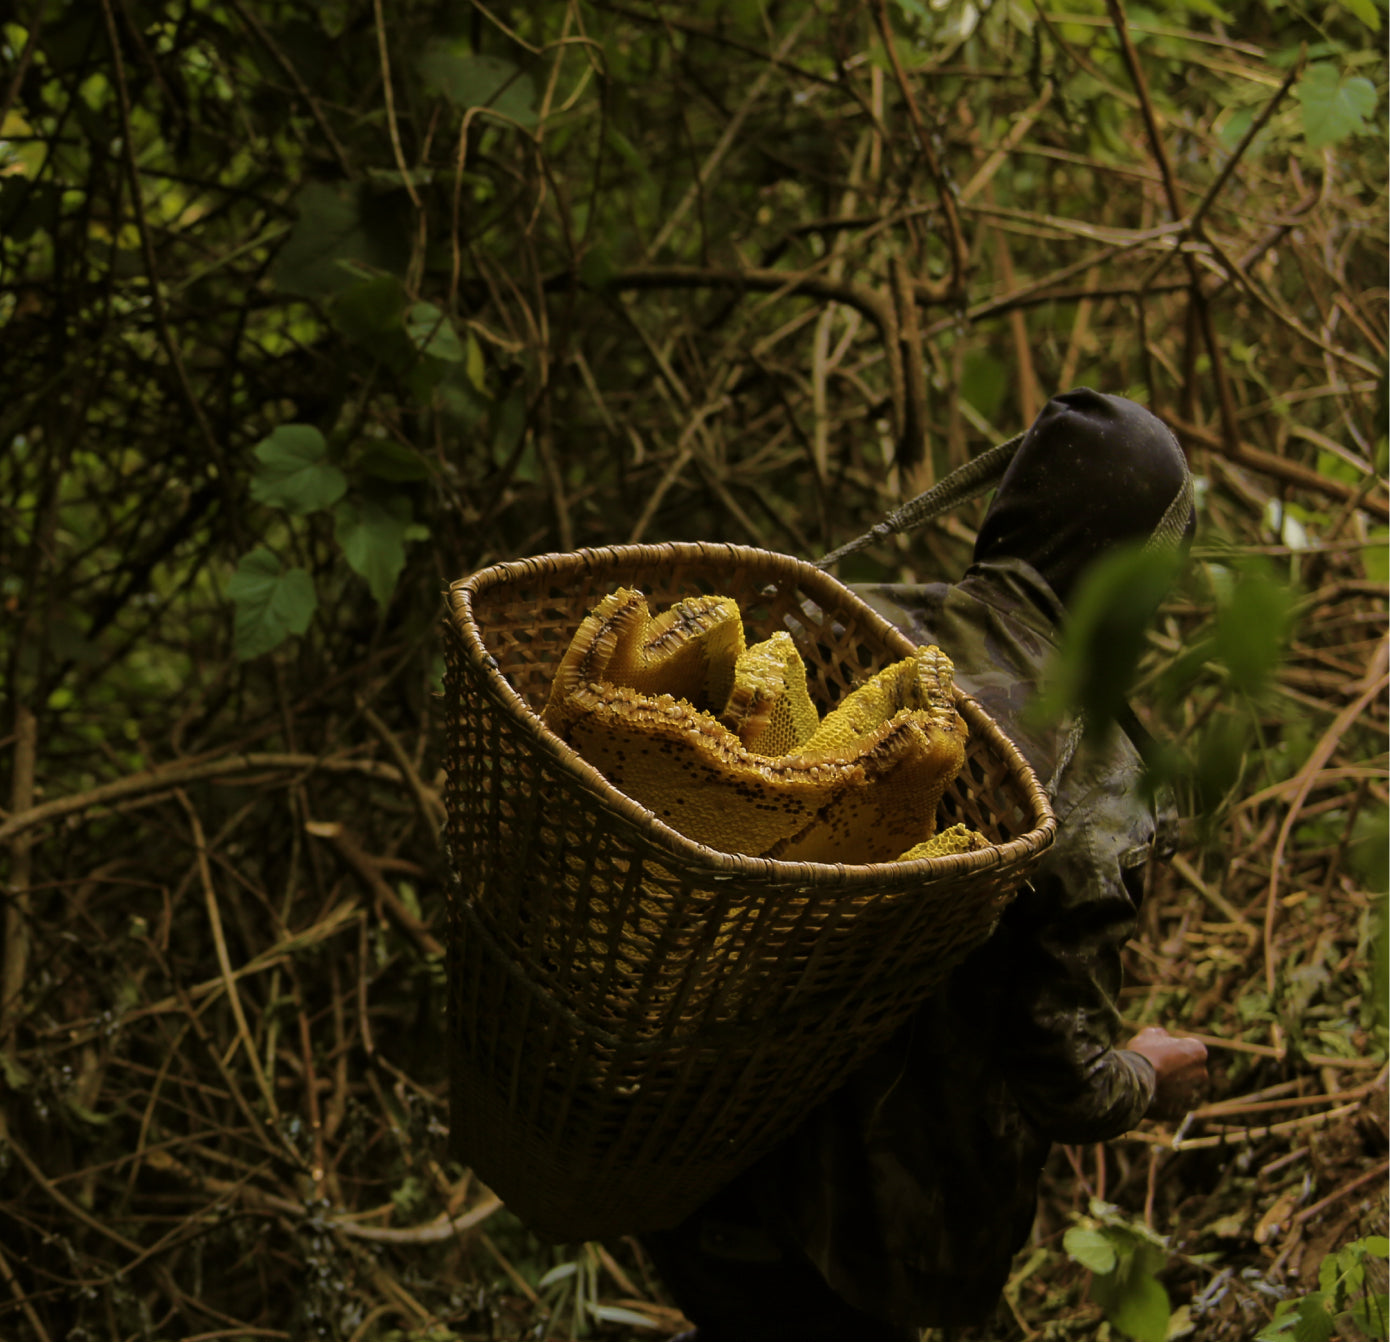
[179, 772]
[18, 902]
[21, 67]
[1321, 753]
[1256, 126]
[945, 188]
[219, 942]
[278, 55]
[389, 96]
[727, 137]
[137, 202]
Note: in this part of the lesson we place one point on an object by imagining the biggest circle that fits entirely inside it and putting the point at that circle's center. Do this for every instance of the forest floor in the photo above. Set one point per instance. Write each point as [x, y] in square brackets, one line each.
[155, 1198]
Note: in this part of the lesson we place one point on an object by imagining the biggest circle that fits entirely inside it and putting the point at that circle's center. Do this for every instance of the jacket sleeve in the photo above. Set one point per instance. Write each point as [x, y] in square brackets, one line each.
[1060, 1019]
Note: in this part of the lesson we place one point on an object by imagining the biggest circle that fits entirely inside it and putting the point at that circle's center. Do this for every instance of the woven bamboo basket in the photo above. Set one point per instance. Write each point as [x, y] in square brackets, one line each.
[637, 1017]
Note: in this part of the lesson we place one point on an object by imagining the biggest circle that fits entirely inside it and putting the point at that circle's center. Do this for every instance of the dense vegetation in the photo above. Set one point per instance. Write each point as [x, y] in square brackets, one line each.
[311, 309]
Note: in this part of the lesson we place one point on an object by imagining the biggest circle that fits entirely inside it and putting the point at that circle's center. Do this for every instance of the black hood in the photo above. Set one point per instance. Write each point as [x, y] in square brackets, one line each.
[1093, 472]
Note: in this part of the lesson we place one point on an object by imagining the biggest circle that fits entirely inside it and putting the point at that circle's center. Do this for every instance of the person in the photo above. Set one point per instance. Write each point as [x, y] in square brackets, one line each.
[899, 1203]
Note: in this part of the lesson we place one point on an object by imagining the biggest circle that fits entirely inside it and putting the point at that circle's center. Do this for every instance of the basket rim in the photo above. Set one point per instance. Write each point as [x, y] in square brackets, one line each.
[717, 863]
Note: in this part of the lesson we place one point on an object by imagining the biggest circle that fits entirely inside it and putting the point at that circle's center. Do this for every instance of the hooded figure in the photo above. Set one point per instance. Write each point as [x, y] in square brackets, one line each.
[899, 1203]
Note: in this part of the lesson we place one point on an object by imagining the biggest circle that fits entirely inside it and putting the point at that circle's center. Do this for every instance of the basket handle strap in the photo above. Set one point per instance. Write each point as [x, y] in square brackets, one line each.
[973, 479]
[963, 484]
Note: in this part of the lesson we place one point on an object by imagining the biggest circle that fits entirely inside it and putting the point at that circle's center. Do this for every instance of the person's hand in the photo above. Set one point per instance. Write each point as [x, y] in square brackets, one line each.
[1180, 1067]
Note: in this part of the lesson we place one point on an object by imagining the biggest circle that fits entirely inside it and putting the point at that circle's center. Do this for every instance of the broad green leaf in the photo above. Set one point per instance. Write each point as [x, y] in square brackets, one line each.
[367, 307]
[341, 228]
[1304, 1320]
[19, 148]
[1252, 628]
[371, 532]
[1364, 10]
[1334, 105]
[454, 395]
[469, 80]
[432, 333]
[271, 603]
[1221, 754]
[1091, 1248]
[1114, 606]
[1141, 1308]
[1334, 467]
[293, 473]
[1372, 1314]
[388, 460]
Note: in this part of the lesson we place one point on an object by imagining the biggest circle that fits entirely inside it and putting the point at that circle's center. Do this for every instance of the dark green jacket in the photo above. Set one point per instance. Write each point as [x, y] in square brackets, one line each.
[911, 1188]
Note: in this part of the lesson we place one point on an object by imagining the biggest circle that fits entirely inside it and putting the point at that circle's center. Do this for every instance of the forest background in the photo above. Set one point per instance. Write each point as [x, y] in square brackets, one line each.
[309, 310]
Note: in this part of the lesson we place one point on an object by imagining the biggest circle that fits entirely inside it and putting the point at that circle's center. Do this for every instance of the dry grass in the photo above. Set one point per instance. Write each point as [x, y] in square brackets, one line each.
[826, 280]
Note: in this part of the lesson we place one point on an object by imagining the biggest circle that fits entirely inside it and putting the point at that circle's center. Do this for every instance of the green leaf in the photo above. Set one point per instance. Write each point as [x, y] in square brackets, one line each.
[341, 229]
[388, 460]
[368, 307]
[1304, 1320]
[1141, 1308]
[1376, 556]
[1207, 8]
[1091, 1248]
[1103, 640]
[468, 80]
[476, 365]
[271, 603]
[371, 532]
[86, 1114]
[293, 473]
[1364, 10]
[1334, 468]
[1372, 1314]
[1334, 105]
[621, 1315]
[432, 333]
[1252, 628]
[1341, 1288]
[17, 1076]
[558, 1274]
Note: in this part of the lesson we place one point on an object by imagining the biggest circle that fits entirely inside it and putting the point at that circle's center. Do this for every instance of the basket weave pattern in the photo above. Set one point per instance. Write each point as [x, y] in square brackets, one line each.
[636, 1017]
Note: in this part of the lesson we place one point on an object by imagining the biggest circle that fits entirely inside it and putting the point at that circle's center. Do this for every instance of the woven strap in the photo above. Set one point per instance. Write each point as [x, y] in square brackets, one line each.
[963, 484]
[982, 473]
[1172, 526]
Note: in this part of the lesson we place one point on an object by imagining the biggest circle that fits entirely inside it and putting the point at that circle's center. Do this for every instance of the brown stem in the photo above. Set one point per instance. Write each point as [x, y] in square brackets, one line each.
[1225, 396]
[157, 304]
[945, 191]
[18, 913]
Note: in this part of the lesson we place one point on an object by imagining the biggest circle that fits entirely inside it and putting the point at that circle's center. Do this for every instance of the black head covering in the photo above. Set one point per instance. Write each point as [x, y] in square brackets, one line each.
[1093, 472]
